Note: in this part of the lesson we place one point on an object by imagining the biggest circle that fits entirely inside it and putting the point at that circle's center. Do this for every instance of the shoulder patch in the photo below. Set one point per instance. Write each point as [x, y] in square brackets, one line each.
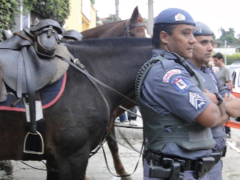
[169, 74]
[180, 84]
[196, 100]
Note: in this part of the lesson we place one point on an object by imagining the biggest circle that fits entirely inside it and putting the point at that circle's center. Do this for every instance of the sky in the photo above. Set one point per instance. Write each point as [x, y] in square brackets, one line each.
[214, 13]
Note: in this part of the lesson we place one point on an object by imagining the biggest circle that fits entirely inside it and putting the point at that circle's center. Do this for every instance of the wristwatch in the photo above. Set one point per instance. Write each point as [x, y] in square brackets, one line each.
[218, 98]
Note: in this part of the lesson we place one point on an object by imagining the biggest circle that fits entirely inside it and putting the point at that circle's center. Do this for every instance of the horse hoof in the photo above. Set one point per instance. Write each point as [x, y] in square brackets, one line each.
[8, 167]
[127, 178]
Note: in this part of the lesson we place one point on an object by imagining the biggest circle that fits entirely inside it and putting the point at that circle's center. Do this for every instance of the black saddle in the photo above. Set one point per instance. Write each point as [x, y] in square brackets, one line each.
[13, 69]
[73, 34]
[27, 65]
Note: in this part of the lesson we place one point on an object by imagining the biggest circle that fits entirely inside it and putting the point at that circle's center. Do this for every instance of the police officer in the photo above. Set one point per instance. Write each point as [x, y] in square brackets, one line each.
[201, 56]
[177, 114]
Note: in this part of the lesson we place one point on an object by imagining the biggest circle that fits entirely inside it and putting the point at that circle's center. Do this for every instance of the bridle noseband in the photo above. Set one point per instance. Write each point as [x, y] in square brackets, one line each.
[130, 26]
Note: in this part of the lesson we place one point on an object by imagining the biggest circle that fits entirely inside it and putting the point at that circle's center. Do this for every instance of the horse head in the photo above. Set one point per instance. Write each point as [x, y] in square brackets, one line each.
[136, 26]
[133, 27]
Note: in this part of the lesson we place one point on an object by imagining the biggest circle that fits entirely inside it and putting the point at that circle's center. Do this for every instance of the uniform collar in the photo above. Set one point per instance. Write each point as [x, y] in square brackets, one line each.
[163, 53]
[203, 68]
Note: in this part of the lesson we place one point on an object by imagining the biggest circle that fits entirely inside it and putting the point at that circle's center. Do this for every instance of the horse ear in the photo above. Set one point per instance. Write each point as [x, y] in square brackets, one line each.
[135, 15]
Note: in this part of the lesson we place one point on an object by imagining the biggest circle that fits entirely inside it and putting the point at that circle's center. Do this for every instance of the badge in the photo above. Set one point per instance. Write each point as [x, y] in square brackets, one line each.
[179, 17]
[198, 30]
[196, 100]
[180, 84]
[169, 74]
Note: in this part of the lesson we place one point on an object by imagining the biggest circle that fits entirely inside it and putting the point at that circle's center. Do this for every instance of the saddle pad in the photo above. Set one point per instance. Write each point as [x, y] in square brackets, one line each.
[49, 95]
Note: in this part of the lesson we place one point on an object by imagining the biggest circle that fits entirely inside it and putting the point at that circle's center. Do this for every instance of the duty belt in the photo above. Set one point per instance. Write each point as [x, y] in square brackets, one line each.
[222, 152]
[162, 166]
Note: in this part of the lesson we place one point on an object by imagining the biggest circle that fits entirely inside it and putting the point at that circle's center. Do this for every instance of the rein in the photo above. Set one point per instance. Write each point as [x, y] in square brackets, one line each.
[80, 67]
[128, 27]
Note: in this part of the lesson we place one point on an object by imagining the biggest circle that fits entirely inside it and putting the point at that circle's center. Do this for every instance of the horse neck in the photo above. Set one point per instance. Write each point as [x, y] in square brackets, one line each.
[112, 29]
[116, 66]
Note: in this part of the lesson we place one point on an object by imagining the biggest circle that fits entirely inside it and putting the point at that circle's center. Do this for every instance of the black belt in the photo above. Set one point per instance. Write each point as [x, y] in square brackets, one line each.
[158, 159]
[222, 152]
[161, 164]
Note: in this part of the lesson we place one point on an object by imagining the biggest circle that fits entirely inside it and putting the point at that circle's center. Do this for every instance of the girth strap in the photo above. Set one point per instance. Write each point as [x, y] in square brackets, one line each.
[31, 90]
[20, 75]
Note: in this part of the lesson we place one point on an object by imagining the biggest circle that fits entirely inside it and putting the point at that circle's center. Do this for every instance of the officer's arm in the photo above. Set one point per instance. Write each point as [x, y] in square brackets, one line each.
[233, 105]
[210, 116]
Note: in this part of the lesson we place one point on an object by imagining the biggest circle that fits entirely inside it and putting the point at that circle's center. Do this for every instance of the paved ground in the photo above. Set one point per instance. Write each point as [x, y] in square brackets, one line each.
[97, 168]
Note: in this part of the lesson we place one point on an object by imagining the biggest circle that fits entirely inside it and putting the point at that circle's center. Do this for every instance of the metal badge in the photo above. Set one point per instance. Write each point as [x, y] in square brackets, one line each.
[179, 17]
[198, 30]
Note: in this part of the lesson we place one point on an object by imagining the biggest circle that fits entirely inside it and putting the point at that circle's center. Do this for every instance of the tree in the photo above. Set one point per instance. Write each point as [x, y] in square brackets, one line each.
[231, 31]
[8, 11]
[222, 31]
[49, 9]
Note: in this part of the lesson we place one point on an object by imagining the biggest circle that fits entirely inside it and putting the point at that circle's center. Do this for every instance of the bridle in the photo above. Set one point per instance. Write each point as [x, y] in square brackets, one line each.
[128, 27]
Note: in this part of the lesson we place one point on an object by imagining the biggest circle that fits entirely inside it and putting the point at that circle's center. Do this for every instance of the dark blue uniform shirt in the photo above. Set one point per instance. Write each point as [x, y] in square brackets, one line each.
[169, 89]
[212, 83]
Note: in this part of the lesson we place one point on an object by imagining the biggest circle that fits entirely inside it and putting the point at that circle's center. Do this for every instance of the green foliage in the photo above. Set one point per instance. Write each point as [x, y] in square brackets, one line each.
[93, 2]
[50, 9]
[233, 57]
[8, 11]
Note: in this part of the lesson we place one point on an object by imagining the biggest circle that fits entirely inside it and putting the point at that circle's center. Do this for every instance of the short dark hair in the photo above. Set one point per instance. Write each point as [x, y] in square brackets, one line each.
[168, 28]
[218, 55]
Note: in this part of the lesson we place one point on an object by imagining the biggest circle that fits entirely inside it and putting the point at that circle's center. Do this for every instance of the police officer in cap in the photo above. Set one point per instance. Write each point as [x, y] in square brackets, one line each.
[177, 113]
[201, 56]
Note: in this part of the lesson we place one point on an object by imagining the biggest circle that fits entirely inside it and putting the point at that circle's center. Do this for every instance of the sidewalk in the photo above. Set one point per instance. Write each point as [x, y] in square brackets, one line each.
[97, 169]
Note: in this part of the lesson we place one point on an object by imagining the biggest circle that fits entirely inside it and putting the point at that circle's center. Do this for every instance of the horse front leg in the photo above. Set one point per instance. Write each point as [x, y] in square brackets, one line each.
[73, 167]
[113, 146]
[52, 170]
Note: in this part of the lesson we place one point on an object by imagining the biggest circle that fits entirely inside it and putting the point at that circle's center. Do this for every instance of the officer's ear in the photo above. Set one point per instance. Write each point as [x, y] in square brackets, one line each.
[164, 37]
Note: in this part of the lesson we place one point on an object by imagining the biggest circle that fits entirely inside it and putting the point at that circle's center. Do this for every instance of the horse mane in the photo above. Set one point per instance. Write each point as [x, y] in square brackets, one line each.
[113, 41]
[95, 32]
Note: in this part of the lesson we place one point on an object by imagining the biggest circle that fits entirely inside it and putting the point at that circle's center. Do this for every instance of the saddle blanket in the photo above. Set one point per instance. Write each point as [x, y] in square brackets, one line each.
[49, 95]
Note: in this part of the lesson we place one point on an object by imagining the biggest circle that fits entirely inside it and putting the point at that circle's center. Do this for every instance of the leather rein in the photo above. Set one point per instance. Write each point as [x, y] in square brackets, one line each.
[128, 27]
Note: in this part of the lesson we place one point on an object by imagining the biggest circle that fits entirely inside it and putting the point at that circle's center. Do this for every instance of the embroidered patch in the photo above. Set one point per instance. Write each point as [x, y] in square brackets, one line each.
[196, 100]
[169, 74]
[180, 84]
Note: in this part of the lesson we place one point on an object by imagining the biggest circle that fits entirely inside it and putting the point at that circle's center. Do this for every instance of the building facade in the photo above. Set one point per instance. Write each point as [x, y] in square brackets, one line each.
[82, 17]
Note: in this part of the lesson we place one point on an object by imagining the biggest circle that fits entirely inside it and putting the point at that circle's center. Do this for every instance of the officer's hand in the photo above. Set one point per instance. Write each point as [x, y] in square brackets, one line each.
[211, 96]
[228, 97]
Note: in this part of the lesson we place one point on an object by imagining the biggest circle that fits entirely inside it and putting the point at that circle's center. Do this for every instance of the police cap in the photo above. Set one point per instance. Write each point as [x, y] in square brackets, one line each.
[174, 16]
[202, 29]
[73, 34]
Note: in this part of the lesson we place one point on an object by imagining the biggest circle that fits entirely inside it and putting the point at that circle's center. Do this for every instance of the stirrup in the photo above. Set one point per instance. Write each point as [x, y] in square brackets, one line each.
[33, 152]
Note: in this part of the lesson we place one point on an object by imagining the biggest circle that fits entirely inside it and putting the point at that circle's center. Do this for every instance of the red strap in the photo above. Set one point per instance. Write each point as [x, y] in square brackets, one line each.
[236, 94]
[233, 124]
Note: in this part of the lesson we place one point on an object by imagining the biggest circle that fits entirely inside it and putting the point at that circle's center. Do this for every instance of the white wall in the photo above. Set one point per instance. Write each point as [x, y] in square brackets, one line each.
[228, 51]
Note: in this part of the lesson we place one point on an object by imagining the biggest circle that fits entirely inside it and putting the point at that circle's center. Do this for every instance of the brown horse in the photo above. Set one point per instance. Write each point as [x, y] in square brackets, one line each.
[133, 27]
[77, 122]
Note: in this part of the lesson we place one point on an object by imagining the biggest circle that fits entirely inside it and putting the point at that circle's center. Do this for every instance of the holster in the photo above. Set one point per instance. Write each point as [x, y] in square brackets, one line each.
[170, 170]
[204, 165]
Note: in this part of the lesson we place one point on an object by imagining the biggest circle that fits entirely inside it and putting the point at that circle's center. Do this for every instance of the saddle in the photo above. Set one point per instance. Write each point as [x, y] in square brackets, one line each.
[40, 50]
[28, 63]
